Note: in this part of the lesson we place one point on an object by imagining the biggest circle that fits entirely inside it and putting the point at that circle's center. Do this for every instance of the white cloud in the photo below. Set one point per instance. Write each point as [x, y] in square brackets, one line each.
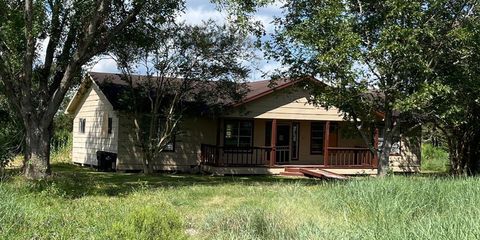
[105, 64]
[203, 10]
[267, 14]
[198, 11]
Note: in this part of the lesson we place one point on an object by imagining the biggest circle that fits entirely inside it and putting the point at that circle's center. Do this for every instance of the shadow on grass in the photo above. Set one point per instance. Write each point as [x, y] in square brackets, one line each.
[71, 181]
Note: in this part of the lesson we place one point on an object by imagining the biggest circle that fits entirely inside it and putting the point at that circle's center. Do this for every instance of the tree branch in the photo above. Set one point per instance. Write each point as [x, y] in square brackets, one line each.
[26, 80]
[111, 34]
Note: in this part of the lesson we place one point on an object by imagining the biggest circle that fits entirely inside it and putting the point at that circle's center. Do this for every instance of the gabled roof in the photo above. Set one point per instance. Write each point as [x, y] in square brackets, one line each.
[111, 85]
[259, 89]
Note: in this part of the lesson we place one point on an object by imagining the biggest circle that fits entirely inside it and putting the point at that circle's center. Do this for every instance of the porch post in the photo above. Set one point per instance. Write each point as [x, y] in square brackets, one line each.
[326, 140]
[217, 147]
[375, 146]
[273, 152]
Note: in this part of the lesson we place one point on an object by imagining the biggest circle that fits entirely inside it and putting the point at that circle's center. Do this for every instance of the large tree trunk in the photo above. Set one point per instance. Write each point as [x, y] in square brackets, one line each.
[463, 155]
[388, 135]
[37, 152]
[473, 160]
[147, 164]
[384, 157]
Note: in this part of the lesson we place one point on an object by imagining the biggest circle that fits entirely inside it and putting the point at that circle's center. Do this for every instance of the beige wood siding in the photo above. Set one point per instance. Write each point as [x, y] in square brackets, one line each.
[410, 152]
[193, 132]
[290, 103]
[305, 157]
[95, 109]
[347, 137]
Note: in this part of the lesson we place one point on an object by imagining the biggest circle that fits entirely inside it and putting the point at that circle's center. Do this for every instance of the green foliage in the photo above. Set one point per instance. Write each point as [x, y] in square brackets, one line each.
[62, 149]
[133, 206]
[369, 54]
[449, 98]
[414, 59]
[11, 134]
[62, 132]
[434, 158]
[44, 48]
[45, 215]
[158, 221]
[190, 70]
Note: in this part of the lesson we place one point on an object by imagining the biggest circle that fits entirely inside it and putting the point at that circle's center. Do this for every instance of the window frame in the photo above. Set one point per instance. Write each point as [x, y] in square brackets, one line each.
[293, 143]
[82, 123]
[322, 127]
[173, 142]
[238, 136]
[110, 125]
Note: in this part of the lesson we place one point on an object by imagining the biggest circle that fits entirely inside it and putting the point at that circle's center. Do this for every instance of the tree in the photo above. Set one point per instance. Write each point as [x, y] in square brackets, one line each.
[188, 68]
[449, 100]
[374, 55]
[43, 47]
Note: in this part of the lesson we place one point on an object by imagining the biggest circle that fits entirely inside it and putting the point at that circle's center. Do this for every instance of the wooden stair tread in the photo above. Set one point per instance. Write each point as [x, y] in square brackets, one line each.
[320, 173]
[299, 174]
[289, 169]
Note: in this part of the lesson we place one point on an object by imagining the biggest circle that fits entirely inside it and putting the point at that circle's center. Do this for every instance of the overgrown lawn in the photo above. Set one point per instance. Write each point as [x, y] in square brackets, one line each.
[78, 203]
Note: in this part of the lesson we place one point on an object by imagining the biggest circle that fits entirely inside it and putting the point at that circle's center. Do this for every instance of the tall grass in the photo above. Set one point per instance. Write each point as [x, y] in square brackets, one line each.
[45, 215]
[61, 147]
[79, 204]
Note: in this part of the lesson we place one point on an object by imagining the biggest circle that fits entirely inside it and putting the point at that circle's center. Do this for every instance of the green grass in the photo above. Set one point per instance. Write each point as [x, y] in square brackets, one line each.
[434, 158]
[79, 203]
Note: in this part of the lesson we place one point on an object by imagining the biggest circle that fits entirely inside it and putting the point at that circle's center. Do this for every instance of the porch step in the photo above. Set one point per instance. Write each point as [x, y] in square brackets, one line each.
[320, 173]
[292, 169]
[297, 169]
[296, 174]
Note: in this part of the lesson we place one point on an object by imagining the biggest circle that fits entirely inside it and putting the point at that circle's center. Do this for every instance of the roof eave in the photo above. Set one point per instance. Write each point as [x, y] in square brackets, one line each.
[273, 89]
[73, 104]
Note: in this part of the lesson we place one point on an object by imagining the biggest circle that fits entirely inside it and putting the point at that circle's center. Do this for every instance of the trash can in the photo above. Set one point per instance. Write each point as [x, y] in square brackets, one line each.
[106, 161]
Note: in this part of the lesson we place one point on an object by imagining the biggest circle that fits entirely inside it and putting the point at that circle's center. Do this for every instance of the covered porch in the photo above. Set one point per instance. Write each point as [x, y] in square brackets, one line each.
[291, 143]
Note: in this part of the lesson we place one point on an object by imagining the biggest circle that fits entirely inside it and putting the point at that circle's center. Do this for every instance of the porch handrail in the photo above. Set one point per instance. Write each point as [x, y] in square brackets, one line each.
[225, 156]
[351, 157]
[234, 156]
[348, 148]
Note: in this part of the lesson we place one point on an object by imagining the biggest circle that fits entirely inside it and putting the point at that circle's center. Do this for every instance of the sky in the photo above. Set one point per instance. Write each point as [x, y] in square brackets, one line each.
[201, 10]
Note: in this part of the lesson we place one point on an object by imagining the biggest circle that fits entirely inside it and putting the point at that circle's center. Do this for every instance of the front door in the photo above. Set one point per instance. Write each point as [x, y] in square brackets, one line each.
[283, 144]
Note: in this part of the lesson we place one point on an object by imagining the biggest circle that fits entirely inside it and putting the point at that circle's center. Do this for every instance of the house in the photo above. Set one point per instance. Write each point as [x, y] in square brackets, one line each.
[270, 131]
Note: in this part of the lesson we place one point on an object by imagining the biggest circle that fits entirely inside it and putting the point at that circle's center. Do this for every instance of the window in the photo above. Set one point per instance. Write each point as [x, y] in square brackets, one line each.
[238, 133]
[295, 140]
[170, 147]
[110, 125]
[81, 125]
[316, 137]
[107, 124]
[396, 148]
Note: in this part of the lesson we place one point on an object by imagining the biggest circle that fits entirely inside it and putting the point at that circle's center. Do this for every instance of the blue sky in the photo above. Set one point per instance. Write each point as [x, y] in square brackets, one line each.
[201, 10]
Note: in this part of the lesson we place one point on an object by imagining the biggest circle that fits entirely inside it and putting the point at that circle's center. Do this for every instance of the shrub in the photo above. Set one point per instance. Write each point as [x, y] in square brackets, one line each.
[434, 158]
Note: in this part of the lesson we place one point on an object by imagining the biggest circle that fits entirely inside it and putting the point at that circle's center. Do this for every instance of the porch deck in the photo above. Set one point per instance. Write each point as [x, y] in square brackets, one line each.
[321, 147]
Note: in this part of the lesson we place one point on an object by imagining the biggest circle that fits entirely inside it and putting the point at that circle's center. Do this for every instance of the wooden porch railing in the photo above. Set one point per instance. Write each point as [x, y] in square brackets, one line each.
[350, 157]
[260, 156]
[235, 156]
[283, 154]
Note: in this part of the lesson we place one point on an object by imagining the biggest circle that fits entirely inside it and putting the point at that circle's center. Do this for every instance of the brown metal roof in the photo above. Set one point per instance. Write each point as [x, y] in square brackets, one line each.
[254, 89]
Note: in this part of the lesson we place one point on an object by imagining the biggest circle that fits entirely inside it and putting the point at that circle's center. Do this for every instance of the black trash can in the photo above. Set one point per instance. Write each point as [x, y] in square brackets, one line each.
[106, 161]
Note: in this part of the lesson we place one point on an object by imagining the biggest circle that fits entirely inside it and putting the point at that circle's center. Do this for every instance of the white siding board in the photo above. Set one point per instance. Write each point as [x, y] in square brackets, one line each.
[92, 109]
